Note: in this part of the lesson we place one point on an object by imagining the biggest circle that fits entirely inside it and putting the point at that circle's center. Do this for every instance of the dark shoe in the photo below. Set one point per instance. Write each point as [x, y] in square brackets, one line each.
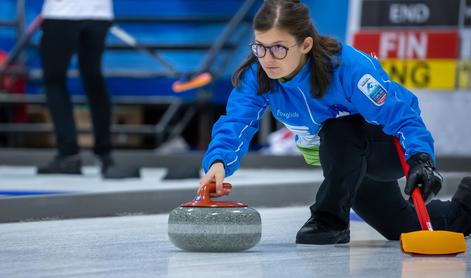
[105, 161]
[314, 232]
[69, 165]
[110, 170]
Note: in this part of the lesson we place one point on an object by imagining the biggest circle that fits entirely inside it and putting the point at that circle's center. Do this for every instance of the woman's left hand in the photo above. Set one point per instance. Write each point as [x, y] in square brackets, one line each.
[422, 173]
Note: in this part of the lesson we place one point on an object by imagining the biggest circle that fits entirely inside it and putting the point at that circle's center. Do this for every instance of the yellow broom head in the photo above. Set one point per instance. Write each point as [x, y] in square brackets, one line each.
[433, 243]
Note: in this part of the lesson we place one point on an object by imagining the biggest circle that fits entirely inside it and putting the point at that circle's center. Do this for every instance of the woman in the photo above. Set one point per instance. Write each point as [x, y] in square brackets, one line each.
[80, 27]
[345, 111]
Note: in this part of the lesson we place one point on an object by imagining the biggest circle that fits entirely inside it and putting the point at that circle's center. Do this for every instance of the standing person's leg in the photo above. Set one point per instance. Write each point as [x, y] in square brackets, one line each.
[58, 43]
[91, 47]
[342, 154]
[90, 53]
[380, 203]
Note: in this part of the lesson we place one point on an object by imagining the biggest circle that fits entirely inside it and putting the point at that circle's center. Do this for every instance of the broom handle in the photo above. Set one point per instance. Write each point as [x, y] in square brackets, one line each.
[21, 44]
[417, 198]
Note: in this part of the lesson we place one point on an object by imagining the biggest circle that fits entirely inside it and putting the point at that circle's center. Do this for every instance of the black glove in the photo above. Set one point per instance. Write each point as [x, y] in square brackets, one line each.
[422, 173]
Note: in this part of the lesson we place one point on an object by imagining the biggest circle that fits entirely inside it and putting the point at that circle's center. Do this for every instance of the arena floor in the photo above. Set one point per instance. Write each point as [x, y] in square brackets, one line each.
[58, 230]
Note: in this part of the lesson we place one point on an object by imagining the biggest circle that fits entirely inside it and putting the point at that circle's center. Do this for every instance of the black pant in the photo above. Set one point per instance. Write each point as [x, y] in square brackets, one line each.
[60, 40]
[361, 167]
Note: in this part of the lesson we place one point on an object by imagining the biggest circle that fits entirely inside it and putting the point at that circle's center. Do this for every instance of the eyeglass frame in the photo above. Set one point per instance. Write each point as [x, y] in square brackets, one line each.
[270, 49]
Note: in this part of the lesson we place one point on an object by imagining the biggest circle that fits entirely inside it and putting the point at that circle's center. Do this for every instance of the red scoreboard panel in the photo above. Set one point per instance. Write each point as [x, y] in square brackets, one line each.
[416, 59]
[409, 44]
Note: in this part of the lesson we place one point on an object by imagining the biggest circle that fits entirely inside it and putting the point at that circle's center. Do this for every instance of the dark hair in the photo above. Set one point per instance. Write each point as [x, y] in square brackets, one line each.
[293, 17]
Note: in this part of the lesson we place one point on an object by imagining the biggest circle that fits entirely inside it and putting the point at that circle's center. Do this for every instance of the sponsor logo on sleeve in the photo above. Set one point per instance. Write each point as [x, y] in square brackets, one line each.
[372, 89]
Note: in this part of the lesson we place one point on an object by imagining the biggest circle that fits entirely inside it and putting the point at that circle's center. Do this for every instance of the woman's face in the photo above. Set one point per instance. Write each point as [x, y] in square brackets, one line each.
[280, 41]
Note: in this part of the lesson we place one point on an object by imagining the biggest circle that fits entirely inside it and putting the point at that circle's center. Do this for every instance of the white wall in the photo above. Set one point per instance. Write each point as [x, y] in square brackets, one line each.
[448, 116]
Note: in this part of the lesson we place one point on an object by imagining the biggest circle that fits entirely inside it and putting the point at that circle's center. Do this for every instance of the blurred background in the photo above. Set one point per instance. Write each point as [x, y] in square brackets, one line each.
[424, 45]
[184, 33]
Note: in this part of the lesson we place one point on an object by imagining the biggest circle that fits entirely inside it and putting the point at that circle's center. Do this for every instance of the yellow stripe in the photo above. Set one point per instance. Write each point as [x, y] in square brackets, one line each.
[464, 74]
[436, 74]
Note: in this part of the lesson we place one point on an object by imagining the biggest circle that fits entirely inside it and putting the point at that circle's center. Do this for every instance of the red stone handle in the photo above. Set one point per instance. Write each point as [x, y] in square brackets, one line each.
[203, 199]
[207, 189]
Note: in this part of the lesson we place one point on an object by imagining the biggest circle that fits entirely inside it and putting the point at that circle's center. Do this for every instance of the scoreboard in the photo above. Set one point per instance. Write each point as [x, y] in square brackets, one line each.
[421, 44]
[416, 59]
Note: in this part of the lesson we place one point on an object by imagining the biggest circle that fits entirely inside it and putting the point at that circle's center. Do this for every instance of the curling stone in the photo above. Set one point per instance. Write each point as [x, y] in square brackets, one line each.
[204, 225]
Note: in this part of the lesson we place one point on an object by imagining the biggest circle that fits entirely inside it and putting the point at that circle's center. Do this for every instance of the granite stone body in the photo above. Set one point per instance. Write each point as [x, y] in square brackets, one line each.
[207, 229]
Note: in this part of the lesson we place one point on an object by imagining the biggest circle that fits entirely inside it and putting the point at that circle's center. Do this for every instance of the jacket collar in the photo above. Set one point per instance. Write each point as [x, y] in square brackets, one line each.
[300, 78]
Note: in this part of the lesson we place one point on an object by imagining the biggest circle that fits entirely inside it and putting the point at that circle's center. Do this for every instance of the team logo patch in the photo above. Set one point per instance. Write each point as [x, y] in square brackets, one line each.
[372, 89]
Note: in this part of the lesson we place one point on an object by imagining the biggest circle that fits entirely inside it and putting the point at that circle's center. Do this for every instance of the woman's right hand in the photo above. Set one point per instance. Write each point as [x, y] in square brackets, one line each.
[216, 174]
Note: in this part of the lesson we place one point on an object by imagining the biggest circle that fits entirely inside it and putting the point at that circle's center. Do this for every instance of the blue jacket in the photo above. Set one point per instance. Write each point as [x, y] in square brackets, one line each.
[358, 85]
